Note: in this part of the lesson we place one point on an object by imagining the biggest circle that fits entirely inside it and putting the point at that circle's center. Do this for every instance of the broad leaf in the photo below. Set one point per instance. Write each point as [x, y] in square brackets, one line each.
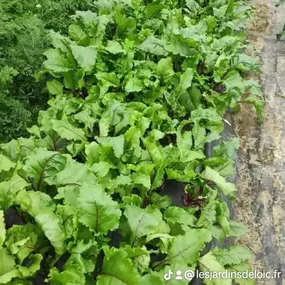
[97, 210]
[85, 56]
[153, 45]
[5, 163]
[117, 269]
[9, 189]
[44, 165]
[6, 266]
[209, 263]
[142, 222]
[232, 256]
[68, 131]
[226, 187]
[57, 62]
[41, 207]
[186, 248]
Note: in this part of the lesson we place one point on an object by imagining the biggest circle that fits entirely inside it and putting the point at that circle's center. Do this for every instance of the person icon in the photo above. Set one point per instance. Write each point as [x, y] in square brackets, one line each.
[178, 275]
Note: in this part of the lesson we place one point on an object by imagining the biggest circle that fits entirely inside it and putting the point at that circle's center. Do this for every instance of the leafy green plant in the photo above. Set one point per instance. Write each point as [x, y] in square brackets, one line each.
[139, 90]
[24, 29]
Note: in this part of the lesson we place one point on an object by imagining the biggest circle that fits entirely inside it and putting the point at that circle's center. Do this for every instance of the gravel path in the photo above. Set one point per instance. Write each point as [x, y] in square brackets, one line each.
[261, 160]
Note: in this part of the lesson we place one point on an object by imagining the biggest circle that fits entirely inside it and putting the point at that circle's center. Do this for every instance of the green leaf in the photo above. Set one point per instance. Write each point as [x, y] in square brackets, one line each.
[23, 240]
[117, 143]
[186, 80]
[142, 222]
[75, 173]
[241, 268]
[55, 87]
[97, 210]
[85, 56]
[126, 27]
[6, 265]
[191, 99]
[179, 215]
[41, 207]
[43, 165]
[208, 214]
[165, 68]
[114, 47]
[117, 269]
[258, 104]
[154, 46]
[84, 255]
[56, 61]
[232, 256]
[186, 248]
[237, 229]
[2, 228]
[178, 46]
[9, 189]
[77, 34]
[71, 276]
[226, 187]
[199, 134]
[134, 85]
[34, 266]
[207, 114]
[68, 131]
[101, 168]
[150, 279]
[209, 263]
[108, 79]
[5, 163]
[141, 179]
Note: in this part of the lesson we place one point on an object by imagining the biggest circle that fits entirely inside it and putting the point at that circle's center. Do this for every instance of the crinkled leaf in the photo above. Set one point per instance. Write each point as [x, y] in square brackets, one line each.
[43, 165]
[232, 256]
[71, 276]
[117, 269]
[226, 187]
[179, 215]
[153, 45]
[97, 210]
[57, 62]
[9, 189]
[5, 163]
[243, 267]
[117, 143]
[25, 239]
[186, 248]
[68, 131]
[75, 174]
[7, 263]
[134, 85]
[209, 263]
[142, 222]
[237, 229]
[114, 47]
[77, 34]
[41, 207]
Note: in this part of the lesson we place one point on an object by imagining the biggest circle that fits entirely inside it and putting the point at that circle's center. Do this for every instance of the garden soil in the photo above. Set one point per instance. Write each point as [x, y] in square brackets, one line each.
[261, 160]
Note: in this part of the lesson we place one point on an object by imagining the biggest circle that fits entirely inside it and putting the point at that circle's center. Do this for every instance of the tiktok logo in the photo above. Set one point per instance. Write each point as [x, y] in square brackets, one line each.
[168, 275]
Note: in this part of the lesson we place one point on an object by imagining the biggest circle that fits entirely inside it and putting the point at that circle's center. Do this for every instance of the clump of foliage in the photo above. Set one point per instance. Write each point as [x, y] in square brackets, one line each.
[140, 88]
[24, 29]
